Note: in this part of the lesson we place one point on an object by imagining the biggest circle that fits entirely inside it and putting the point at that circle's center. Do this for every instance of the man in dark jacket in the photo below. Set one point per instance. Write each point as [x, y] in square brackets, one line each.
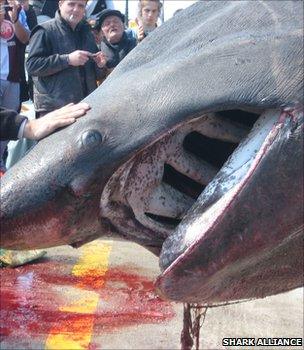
[63, 58]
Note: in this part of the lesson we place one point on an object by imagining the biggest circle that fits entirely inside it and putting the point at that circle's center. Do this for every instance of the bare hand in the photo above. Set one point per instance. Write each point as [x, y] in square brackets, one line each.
[140, 33]
[36, 129]
[79, 58]
[100, 59]
[14, 13]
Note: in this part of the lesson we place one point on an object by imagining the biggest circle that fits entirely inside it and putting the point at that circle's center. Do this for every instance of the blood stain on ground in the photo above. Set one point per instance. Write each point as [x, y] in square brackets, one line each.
[30, 300]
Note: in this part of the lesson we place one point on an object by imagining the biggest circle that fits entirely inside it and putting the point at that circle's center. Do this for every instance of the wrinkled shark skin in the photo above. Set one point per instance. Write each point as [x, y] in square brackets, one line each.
[211, 57]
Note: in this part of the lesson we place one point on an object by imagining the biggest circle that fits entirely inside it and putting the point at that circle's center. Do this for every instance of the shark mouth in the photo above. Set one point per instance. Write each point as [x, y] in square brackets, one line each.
[185, 198]
[146, 199]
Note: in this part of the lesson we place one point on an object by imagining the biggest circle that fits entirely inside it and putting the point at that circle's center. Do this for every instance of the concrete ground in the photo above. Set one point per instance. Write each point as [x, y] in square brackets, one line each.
[101, 297]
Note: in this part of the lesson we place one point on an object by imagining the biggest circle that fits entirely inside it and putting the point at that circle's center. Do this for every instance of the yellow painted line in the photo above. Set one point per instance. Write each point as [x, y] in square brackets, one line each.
[75, 332]
[93, 264]
[85, 304]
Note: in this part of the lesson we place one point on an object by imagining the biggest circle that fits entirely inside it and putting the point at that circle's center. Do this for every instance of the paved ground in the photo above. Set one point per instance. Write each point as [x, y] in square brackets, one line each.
[101, 297]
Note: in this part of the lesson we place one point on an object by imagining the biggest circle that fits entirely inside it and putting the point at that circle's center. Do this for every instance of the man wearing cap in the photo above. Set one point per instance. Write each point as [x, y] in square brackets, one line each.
[116, 42]
[63, 59]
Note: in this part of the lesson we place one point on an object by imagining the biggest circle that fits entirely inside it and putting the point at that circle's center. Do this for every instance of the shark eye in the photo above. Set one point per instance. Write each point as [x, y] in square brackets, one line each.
[91, 138]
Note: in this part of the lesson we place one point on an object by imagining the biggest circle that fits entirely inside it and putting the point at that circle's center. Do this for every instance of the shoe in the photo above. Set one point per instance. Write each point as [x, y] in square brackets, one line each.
[13, 258]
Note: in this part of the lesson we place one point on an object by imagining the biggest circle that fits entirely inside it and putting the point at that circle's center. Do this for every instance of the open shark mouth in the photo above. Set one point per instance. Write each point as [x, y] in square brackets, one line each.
[148, 196]
[172, 194]
[146, 199]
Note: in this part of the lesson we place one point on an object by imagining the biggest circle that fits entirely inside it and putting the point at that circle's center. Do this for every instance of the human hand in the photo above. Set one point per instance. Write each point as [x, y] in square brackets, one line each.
[14, 13]
[100, 59]
[140, 33]
[36, 129]
[79, 58]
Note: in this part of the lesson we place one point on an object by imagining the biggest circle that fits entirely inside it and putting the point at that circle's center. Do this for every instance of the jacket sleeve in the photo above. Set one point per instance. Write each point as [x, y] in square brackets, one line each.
[41, 61]
[10, 122]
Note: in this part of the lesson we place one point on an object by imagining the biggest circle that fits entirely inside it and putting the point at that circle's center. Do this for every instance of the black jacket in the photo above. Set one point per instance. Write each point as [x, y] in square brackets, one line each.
[10, 122]
[56, 83]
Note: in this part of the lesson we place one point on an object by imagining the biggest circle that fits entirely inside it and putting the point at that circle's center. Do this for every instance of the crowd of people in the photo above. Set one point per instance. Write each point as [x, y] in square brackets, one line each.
[66, 51]
[63, 49]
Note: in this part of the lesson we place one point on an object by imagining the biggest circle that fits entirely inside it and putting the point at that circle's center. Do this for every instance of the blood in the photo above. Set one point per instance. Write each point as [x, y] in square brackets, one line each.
[130, 299]
[30, 301]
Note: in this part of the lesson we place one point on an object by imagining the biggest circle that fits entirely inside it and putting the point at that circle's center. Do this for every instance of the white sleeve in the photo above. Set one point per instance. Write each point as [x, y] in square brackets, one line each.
[21, 129]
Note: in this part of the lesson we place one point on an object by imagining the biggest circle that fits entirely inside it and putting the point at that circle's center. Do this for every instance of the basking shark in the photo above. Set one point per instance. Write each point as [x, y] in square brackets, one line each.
[193, 148]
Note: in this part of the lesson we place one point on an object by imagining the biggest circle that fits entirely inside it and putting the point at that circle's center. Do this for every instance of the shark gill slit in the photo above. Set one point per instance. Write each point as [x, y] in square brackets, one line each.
[213, 151]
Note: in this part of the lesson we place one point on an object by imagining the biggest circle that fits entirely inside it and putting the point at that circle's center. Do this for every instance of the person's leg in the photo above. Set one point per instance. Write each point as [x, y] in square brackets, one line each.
[10, 94]
[9, 98]
[3, 86]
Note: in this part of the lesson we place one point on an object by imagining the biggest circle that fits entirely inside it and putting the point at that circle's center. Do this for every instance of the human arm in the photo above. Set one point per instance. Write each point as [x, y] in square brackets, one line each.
[35, 129]
[140, 33]
[101, 69]
[21, 33]
[41, 60]
[10, 123]
[100, 59]
[20, 26]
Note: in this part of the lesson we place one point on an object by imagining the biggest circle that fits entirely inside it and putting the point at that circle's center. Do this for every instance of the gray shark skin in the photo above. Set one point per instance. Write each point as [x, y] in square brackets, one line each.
[102, 176]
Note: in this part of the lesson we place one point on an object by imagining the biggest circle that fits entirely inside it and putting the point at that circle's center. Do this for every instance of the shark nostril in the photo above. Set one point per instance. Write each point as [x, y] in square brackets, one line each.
[91, 138]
